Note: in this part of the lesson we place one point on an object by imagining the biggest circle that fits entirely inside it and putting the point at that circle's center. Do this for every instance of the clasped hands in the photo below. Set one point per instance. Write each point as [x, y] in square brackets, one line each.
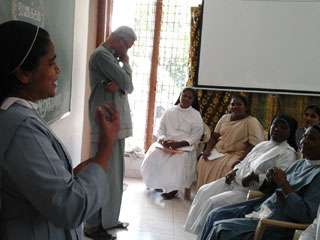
[280, 178]
[172, 144]
[245, 181]
[277, 175]
[274, 174]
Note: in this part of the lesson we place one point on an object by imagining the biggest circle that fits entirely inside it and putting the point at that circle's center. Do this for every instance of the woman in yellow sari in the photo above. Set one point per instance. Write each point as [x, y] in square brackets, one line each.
[233, 137]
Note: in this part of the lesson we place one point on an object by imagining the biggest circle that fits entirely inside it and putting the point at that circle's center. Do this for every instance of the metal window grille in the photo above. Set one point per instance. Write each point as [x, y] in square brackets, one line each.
[172, 70]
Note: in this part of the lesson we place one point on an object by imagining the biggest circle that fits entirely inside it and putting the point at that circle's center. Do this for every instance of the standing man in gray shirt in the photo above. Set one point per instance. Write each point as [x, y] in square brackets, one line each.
[111, 82]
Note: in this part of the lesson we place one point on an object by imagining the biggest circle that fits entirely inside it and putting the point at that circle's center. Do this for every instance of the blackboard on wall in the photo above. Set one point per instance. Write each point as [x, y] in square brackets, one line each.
[57, 17]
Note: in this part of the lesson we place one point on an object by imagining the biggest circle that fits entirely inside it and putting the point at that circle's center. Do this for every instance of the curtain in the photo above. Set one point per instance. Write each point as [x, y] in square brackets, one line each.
[263, 106]
[213, 104]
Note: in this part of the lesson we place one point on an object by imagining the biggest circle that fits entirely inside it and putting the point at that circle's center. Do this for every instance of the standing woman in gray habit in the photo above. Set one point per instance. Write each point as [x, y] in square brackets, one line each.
[42, 195]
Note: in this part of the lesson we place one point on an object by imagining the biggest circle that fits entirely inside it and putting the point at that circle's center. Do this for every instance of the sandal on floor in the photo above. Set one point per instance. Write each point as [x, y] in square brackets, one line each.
[99, 234]
[170, 195]
[121, 225]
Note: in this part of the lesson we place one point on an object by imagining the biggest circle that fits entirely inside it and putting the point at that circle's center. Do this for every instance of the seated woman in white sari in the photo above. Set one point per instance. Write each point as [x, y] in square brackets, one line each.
[170, 163]
[279, 151]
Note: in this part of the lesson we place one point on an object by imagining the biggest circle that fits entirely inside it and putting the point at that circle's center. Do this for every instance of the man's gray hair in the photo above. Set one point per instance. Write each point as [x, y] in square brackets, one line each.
[124, 32]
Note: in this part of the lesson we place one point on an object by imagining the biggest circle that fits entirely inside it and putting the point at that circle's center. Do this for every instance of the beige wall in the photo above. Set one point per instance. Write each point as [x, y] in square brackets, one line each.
[71, 128]
[93, 19]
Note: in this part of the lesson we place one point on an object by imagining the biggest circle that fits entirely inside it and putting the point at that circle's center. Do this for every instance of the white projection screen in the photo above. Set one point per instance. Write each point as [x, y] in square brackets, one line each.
[260, 46]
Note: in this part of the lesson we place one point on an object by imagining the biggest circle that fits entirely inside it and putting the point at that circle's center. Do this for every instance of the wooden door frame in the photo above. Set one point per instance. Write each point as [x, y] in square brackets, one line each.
[153, 75]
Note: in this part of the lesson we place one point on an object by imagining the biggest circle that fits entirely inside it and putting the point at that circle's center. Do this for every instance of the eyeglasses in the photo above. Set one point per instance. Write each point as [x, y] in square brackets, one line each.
[125, 43]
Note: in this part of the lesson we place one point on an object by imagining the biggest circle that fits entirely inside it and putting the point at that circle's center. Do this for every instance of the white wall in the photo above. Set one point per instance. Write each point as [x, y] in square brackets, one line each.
[70, 128]
[268, 46]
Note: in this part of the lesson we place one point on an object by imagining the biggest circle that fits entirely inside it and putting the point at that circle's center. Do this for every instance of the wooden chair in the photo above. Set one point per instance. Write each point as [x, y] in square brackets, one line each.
[263, 223]
[198, 146]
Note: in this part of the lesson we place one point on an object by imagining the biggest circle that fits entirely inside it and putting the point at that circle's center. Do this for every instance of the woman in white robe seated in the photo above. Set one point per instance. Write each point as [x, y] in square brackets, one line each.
[279, 151]
[170, 163]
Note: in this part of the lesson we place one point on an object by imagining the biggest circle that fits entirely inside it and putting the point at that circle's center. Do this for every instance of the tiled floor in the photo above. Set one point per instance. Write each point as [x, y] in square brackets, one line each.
[151, 217]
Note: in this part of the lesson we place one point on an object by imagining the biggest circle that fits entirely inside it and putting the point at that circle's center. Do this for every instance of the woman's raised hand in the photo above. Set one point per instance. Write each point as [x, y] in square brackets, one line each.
[108, 121]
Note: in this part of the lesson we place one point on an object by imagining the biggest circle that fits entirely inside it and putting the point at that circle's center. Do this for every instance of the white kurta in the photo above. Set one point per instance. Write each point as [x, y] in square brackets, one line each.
[173, 171]
[263, 156]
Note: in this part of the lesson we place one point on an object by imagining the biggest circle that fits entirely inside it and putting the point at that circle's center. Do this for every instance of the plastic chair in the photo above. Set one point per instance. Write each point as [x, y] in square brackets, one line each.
[263, 223]
[254, 194]
[205, 138]
[199, 147]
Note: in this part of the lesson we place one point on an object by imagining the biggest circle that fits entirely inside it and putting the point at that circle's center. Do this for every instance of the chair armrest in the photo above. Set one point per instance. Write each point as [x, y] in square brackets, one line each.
[206, 133]
[263, 223]
[297, 234]
[205, 137]
[277, 223]
[254, 194]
